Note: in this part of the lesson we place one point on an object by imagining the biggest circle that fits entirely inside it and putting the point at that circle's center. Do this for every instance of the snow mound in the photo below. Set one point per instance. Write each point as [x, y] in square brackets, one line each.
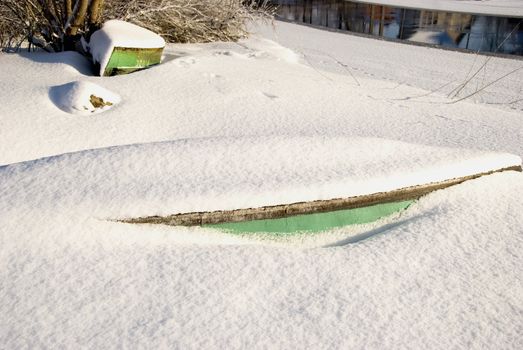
[117, 33]
[229, 173]
[83, 97]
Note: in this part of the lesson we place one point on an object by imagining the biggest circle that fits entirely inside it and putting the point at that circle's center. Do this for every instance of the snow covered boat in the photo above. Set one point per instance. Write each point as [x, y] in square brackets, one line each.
[313, 216]
[121, 48]
[341, 190]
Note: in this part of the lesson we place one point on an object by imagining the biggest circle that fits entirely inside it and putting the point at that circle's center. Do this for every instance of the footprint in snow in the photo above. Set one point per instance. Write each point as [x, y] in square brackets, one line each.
[186, 62]
[270, 96]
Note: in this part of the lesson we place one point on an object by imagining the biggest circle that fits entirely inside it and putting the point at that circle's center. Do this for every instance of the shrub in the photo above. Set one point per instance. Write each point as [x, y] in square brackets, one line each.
[191, 21]
[57, 25]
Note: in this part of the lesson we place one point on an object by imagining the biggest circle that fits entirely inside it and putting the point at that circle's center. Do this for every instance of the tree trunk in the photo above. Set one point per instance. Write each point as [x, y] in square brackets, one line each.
[95, 16]
[76, 22]
[80, 11]
[95, 12]
[68, 9]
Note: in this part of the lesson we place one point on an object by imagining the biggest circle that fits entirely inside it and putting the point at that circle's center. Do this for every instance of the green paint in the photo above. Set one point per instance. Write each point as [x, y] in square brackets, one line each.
[310, 223]
[127, 60]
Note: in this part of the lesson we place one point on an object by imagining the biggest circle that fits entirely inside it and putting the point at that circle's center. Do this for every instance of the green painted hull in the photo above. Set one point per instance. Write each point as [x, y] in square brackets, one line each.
[127, 60]
[317, 222]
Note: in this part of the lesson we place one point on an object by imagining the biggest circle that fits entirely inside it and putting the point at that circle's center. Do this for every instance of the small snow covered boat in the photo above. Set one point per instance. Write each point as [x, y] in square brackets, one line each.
[121, 48]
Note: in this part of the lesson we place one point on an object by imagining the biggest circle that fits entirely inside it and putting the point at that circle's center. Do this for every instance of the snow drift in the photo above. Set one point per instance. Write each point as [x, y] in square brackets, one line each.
[83, 97]
[232, 173]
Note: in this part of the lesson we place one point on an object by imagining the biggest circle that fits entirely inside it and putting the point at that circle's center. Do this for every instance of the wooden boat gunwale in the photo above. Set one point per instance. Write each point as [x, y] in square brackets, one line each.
[302, 208]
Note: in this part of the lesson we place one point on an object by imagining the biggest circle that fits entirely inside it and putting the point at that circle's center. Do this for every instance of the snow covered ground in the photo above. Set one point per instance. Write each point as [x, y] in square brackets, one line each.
[217, 126]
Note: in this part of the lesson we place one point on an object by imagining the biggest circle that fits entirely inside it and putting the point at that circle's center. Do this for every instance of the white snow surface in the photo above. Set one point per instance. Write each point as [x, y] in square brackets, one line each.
[224, 174]
[116, 33]
[511, 8]
[226, 125]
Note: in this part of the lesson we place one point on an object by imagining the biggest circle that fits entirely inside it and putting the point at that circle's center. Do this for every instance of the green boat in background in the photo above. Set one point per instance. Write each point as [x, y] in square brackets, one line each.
[121, 48]
[126, 60]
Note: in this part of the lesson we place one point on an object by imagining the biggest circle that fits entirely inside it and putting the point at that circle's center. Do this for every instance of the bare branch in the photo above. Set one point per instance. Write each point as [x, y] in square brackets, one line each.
[486, 86]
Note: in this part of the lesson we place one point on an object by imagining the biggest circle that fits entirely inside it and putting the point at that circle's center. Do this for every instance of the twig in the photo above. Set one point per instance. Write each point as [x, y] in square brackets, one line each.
[486, 86]
[424, 95]
[486, 61]
[345, 66]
